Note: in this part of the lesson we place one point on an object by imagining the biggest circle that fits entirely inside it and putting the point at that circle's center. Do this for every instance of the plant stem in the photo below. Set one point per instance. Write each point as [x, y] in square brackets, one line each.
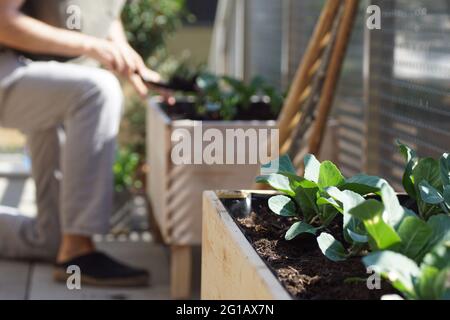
[425, 214]
[444, 207]
[313, 219]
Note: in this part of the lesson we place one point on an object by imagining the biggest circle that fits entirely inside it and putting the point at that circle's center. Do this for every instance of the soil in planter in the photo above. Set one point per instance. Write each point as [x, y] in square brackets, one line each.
[187, 110]
[299, 264]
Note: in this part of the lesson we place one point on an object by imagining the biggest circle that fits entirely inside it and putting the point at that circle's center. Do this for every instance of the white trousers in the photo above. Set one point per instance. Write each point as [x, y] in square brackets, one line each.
[74, 183]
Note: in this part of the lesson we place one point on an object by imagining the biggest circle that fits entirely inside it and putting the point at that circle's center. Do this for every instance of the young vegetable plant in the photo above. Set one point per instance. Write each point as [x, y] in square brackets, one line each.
[389, 226]
[371, 225]
[228, 95]
[354, 230]
[429, 281]
[302, 196]
[427, 181]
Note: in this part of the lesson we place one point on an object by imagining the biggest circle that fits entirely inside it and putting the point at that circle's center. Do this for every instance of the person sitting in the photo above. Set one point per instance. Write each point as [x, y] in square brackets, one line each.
[52, 89]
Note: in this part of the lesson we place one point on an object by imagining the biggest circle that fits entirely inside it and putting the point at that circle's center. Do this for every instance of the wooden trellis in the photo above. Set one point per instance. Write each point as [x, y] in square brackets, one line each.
[310, 98]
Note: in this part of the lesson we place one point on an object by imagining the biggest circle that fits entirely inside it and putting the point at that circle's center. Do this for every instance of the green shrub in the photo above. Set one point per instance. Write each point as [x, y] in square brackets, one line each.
[125, 169]
[132, 130]
[148, 23]
[228, 94]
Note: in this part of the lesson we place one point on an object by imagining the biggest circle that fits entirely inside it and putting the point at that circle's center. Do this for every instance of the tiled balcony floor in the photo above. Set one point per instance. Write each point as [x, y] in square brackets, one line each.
[22, 280]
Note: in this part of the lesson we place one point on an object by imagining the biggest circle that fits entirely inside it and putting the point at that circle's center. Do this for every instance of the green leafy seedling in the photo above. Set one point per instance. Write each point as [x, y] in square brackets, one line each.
[428, 281]
[427, 180]
[302, 197]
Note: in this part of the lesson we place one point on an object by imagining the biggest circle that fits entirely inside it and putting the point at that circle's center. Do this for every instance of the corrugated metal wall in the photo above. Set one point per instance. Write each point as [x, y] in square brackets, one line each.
[349, 104]
[264, 34]
[409, 83]
[302, 17]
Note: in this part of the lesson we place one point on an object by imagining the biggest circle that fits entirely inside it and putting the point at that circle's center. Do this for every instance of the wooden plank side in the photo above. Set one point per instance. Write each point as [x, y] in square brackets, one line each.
[231, 269]
[158, 133]
[184, 205]
[177, 208]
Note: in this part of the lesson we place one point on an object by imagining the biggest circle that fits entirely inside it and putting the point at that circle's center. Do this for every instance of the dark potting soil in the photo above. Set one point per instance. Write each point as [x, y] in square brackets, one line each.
[187, 110]
[299, 264]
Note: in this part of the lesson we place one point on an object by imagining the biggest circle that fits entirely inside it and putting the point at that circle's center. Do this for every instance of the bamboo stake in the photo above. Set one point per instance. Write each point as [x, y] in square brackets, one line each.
[302, 88]
[339, 50]
[301, 79]
[302, 130]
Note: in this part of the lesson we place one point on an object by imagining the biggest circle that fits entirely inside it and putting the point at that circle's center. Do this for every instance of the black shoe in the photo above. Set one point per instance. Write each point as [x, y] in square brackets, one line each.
[98, 269]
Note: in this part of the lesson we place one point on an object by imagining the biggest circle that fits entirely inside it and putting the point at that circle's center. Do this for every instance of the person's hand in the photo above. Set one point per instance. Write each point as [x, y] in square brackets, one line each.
[138, 69]
[122, 59]
[109, 55]
[135, 62]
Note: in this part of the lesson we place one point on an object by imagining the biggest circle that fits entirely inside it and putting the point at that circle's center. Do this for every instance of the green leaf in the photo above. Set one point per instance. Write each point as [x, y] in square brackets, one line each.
[283, 206]
[284, 182]
[206, 81]
[312, 168]
[394, 212]
[262, 179]
[327, 213]
[440, 226]
[349, 200]
[299, 228]
[278, 182]
[433, 283]
[447, 195]
[444, 166]
[363, 184]
[280, 165]
[306, 197]
[415, 233]
[429, 194]
[356, 237]
[400, 270]
[295, 181]
[438, 257]
[407, 152]
[382, 235]
[442, 284]
[427, 287]
[329, 175]
[331, 248]
[427, 169]
[411, 159]
[322, 201]
[392, 297]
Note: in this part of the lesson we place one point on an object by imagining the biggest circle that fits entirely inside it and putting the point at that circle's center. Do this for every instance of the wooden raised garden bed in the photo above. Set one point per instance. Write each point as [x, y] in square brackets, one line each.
[237, 264]
[175, 191]
[231, 268]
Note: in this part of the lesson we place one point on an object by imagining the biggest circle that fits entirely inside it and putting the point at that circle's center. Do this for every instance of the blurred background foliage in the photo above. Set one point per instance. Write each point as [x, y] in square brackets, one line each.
[149, 24]
[152, 28]
[125, 168]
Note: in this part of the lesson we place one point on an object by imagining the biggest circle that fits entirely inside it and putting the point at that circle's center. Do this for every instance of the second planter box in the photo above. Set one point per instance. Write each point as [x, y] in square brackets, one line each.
[175, 189]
